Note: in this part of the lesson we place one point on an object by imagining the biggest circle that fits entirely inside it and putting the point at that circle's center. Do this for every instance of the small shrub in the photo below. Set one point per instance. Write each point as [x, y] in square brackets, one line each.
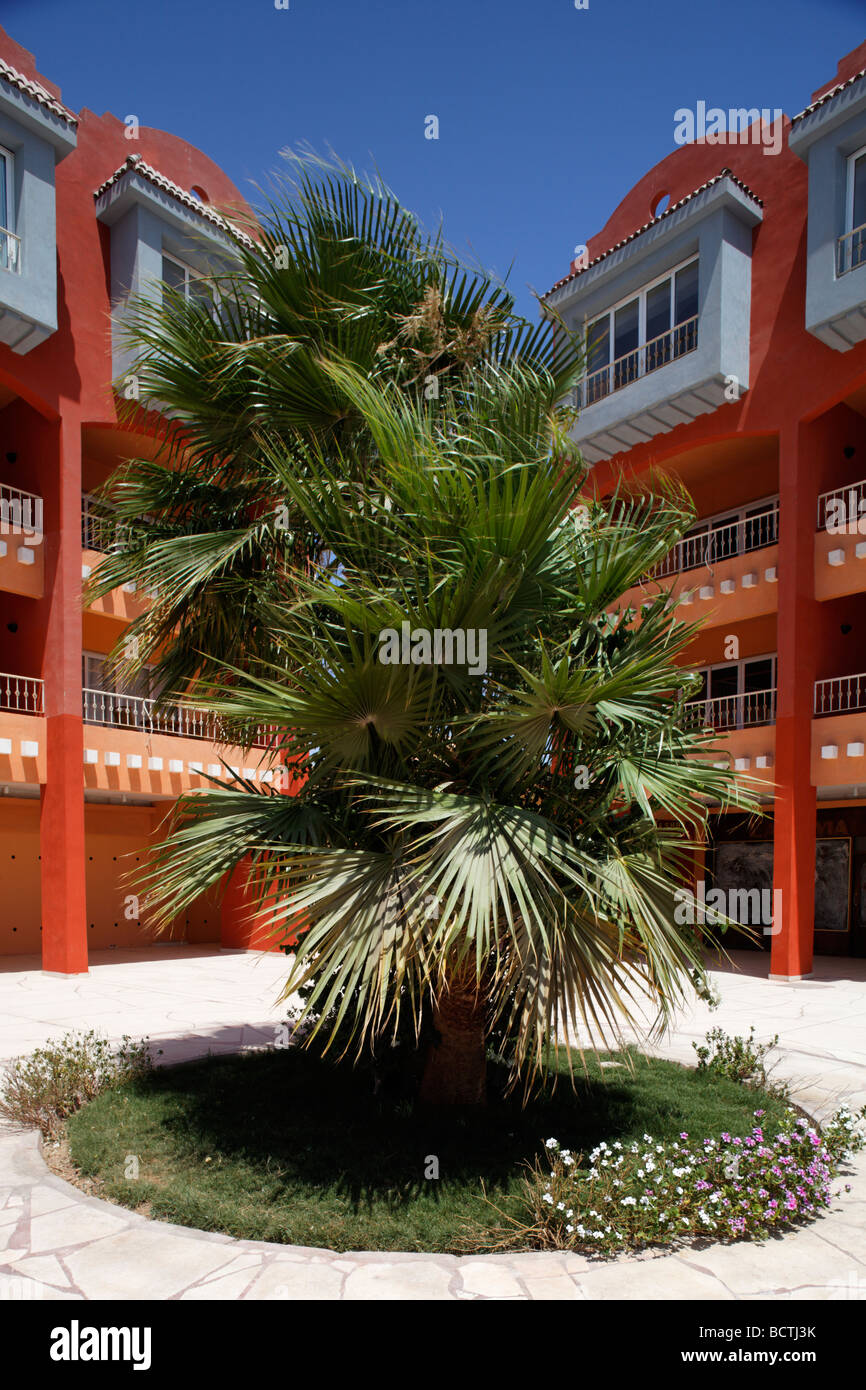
[40, 1091]
[740, 1059]
[654, 1194]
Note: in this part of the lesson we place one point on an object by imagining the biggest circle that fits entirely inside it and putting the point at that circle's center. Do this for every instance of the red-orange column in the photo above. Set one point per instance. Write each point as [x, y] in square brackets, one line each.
[794, 828]
[64, 907]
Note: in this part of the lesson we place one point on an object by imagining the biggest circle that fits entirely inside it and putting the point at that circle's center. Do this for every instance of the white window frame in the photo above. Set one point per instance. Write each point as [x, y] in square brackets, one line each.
[740, 664]
[849, 191]
[641, 297]
[10, 188]
[188, 272]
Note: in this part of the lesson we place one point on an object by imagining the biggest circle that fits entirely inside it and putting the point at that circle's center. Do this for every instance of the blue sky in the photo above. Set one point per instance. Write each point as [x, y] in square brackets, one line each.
[547, 115]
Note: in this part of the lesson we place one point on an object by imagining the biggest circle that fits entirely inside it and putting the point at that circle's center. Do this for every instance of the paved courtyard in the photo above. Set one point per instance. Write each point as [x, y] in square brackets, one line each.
[58, 1243]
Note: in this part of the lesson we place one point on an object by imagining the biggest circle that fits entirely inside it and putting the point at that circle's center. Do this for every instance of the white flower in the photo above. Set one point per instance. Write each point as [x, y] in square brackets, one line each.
[569, 1229]
[629, 1201]
[560, 1206]
[547, 1198]
[551, 1143]
[567, 1159]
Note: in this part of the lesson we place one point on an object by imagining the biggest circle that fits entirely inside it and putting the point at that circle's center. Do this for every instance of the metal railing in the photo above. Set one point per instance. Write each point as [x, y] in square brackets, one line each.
[10, 251]
[20, 512]
[851, 250]
[22, 694]
[649, 357]
[840, 695]
[100, 531]
[721, 542]
[121, 711]
[733, 711]
[850, 496]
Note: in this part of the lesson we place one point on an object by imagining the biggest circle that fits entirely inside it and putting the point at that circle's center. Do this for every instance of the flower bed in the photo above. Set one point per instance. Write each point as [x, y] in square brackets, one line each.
[650, 1193]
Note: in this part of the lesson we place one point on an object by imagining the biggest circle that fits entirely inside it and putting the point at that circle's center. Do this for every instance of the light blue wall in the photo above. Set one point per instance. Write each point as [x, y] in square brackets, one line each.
[722, 240]
[29, 298]
[825, 140]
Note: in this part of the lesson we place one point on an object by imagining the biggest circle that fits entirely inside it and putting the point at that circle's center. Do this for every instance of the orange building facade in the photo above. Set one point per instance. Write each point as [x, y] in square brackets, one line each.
[92, 209]
[724, 304]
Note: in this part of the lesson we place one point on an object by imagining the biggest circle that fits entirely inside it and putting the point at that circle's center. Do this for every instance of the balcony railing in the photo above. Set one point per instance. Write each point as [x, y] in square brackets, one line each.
[850, 496]
[733, 711]
[10, 251]
[840, 695]
[98, 531]
[20, 512]
[22, 694]
[138, 712]
[667, 347]
[720, 543]
[851, 250]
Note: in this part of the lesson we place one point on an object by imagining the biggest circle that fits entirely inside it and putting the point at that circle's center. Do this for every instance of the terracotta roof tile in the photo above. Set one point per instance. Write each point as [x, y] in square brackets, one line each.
[33, 89]
[135, 163]
[725, 174]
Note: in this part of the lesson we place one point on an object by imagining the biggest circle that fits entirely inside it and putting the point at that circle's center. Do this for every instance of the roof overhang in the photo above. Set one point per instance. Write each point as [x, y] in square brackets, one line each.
[35, 109]
[827, 114]
[724, 192]
[135, 183]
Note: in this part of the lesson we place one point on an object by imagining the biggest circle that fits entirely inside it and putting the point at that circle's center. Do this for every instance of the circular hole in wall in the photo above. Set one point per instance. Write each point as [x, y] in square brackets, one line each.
[198, 192]
[659, 204]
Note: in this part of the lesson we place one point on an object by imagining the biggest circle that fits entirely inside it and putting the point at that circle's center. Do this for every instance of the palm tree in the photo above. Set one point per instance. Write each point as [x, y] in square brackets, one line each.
[500, 836]
[335, 266]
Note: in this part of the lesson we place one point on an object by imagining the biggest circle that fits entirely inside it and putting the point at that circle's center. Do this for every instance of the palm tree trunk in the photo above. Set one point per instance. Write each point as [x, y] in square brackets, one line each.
[455, 1071]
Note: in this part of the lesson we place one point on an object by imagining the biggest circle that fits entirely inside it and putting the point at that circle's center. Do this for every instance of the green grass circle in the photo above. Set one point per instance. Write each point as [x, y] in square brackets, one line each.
[284, 1146]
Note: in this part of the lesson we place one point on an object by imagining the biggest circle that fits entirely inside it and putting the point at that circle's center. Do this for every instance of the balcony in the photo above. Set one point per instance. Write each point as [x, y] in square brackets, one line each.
[681, 369]
[729, 569]
[22, 742]
[667, 347]
[121, 711]
[840, 541]
[839, 734]
[730, 712]
[21, 694]
[21, 559]
[36, 132]
[713, 544]
[829, 136]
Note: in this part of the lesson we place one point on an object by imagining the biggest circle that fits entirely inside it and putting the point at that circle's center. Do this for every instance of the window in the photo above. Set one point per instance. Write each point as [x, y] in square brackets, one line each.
[643, 333]
[738, 694]
[191, 284]
[8, 241]
[852, 245]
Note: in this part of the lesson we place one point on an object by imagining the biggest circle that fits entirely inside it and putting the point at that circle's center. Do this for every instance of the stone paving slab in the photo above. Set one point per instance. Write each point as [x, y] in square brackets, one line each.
[58, 1243]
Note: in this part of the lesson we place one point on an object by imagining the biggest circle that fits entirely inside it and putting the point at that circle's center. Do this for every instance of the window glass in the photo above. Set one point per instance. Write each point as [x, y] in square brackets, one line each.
[758, 675]
[859, 177]
[598, 344]
[625, 329]
[173, 274]
[686, 293]
[658, 310]
[724, 680]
